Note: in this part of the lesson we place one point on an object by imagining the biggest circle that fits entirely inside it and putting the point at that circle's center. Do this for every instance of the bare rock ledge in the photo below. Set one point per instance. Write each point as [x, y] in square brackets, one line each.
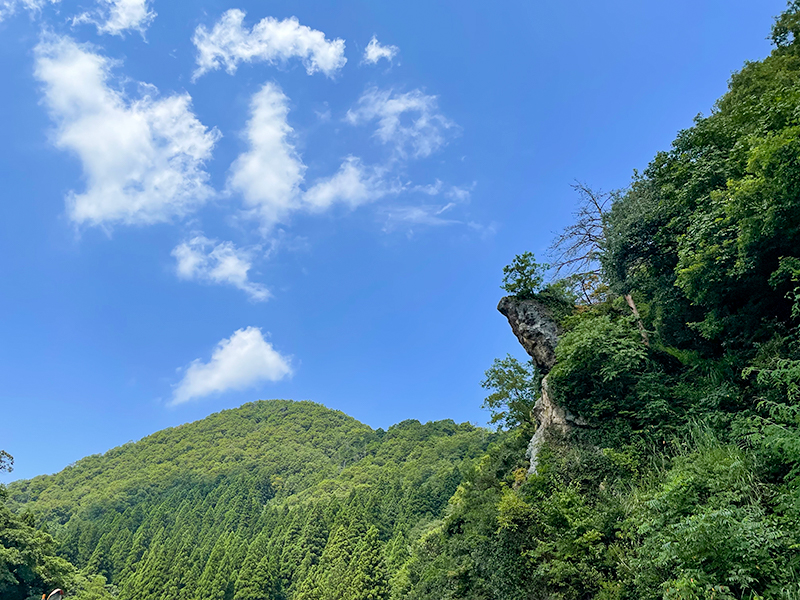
[536, 329]
[538, 332]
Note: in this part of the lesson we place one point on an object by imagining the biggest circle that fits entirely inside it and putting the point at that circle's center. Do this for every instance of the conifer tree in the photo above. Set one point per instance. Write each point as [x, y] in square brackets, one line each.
[100, 561]
[332, 576]
[312, 542]
[292, 553]
[223, 586]
[151, 576]
[370, 580]
[247, 582]
[204, 589]
[396, 551]
[120, 549]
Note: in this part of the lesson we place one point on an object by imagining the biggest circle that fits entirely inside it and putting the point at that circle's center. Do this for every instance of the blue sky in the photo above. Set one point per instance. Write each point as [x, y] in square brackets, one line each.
[210, 203]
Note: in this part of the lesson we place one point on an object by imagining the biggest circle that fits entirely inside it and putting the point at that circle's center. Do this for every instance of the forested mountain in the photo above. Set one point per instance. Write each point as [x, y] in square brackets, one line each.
[673, 472]
[273, 499]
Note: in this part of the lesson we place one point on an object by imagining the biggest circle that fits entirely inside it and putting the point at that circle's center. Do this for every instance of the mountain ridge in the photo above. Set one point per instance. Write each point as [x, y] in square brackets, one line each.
[305, 428]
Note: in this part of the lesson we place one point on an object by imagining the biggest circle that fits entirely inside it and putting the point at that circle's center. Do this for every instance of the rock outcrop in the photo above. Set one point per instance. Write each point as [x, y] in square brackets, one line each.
[538, 332]
[536, 329]
[550, 419]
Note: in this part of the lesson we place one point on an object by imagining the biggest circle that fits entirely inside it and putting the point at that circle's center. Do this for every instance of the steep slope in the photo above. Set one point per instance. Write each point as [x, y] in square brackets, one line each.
[683, 364]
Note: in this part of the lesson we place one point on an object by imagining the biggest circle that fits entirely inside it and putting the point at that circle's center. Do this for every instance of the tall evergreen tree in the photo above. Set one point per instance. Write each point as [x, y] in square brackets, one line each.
[370, 580]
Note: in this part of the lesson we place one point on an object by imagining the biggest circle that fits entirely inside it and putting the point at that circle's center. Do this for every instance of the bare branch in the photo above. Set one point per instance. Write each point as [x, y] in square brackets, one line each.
[577, 250]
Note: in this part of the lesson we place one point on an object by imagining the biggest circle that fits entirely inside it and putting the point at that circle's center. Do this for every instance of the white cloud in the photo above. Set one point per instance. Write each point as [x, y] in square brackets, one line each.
[453, 192]
[268, 175]
[411, 121]
[270, 40]
[323, 115]
[10, 7]
[353, 184]
[429, 215]
[142, 159]
[118, 16]
[206, 260]
[435, 215]
[238, 362]
[374, 52]
[432, 189]
[460, 194]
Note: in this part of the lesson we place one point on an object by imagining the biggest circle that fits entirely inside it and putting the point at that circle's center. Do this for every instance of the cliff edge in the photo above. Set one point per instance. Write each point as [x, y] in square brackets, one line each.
[537, 330]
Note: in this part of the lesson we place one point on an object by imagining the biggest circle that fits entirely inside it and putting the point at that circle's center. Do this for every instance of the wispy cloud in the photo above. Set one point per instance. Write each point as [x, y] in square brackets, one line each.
[142, 158]
[353, 184]
[10, 7]
[432, 215]
[456, 193]
[374, 52]
[230, 43]
[238, 362]
[118, 16]
[432, 189]
[411, 122]
[460, 194]
[209, 261]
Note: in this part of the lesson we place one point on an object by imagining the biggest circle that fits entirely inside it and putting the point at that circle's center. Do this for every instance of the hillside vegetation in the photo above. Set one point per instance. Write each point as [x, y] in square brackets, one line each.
[678, 301]
[684, 357]
[276, 499]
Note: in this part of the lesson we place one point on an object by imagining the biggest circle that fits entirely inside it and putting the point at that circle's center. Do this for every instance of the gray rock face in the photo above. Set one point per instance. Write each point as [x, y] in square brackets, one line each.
[550, 419]
[533, 324]
[537, 331]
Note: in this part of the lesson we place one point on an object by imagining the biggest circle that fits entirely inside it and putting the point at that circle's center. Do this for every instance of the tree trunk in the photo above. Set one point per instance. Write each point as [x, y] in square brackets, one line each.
[632, 304]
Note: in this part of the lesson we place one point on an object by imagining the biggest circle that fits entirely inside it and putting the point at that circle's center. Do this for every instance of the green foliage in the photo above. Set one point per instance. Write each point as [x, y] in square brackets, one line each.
[6, 461]
[597, 362]
[774, 428]
[524, 277]
[704, 524]
[682, 483]
[786, 30]
[370, 579]
[685, 482]
[273, 500]
[29, 566]
[93, 588]
[514, 388]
